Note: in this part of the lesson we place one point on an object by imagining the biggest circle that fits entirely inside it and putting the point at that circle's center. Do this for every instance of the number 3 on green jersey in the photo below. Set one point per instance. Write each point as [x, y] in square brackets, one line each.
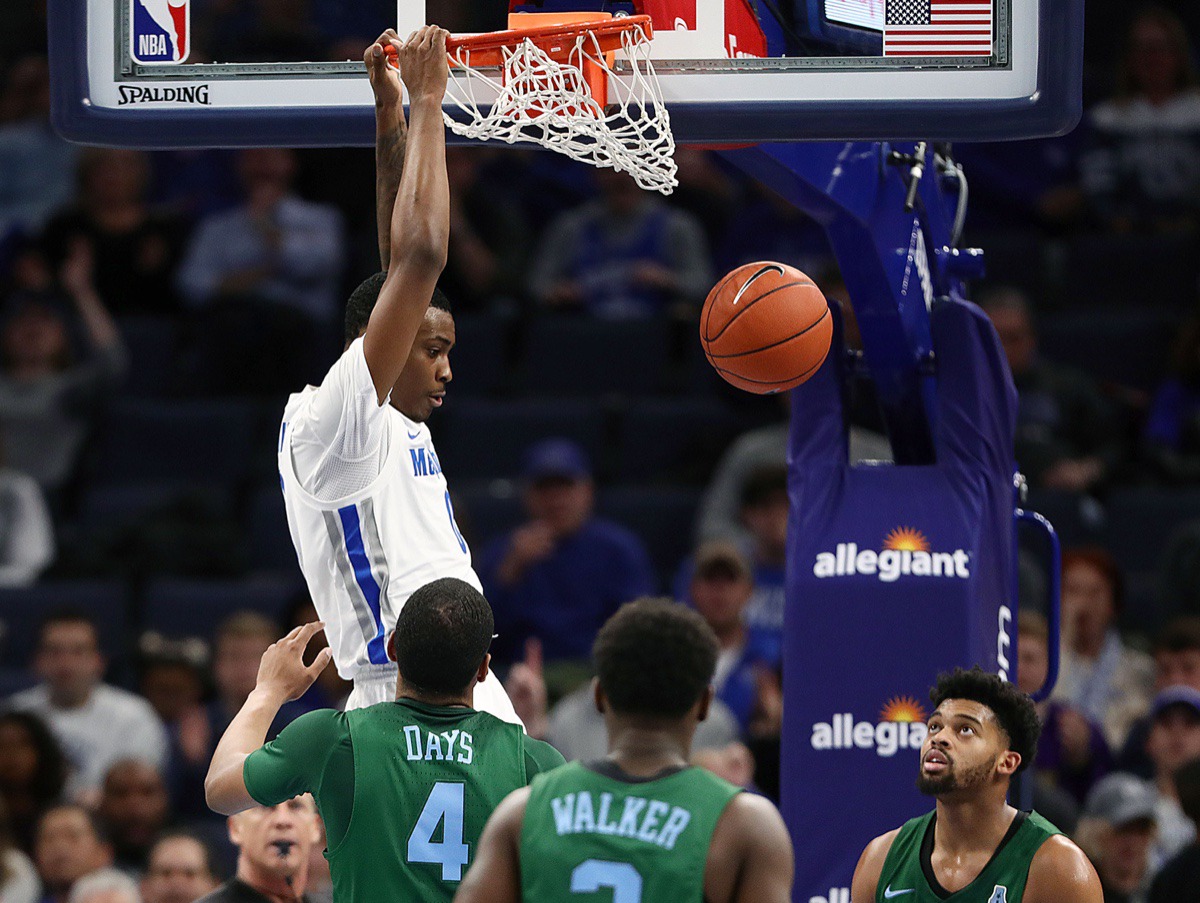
[445, 806]
[621, 877]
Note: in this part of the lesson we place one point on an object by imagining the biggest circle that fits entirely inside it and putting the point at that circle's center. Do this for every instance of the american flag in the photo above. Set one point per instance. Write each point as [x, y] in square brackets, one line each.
[938, 28]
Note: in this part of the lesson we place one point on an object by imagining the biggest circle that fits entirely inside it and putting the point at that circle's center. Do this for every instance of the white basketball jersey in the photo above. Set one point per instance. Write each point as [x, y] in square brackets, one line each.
[363, 555]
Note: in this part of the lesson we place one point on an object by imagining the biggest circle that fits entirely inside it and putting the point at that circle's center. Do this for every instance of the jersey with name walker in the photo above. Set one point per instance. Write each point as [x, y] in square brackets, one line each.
[404, 789]
[597, 834]
[908, 877]
[368, 510]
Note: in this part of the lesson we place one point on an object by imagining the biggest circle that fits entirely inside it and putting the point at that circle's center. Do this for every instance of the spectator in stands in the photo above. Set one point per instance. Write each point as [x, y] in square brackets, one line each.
[48, 394]
[1179, 878]
[1067, 435]
[19, 882]
[96, 724]
[1072, 753]
[33, 772]
[105, 886]
[264, 280]
[734, 763]
[626, 255]
[563, 572]
[1173, 742]
[721, 588]
[172, 675]
[720, 514]
[135, 248]
[135, 809]
[179, 869]
[273, 852]
[488, 234]
[35, 163]
[1106, 680]
[26, 531]
[1116, 832]
[1171, 437]
[1176, 654]
[1142, 170]
[68, 845]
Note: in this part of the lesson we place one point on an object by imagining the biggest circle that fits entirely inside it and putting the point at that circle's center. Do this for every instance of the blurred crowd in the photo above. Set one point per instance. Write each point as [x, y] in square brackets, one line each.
[156, 308]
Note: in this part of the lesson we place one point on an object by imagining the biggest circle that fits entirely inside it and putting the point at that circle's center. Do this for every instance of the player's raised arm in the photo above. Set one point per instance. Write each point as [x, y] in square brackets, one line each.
[495, 875]
[391, 136]
[420, 225]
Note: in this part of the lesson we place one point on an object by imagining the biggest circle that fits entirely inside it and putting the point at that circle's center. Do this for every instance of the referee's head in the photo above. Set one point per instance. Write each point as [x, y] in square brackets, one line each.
[441, 639]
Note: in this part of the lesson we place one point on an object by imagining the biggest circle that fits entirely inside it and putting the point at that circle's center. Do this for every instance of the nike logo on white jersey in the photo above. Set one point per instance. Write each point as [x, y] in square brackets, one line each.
[416, 435]
[888, 893]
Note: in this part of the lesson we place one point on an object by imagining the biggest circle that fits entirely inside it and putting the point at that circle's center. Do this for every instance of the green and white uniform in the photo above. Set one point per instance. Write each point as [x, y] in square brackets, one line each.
[404, 789]
[908, 877]
[593, 834]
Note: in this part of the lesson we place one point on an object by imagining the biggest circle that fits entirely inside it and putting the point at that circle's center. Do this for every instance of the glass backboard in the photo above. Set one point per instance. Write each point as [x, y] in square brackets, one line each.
[178, 73]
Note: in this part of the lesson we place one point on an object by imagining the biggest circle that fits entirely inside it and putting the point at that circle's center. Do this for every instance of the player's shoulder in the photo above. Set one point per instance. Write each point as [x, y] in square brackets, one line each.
[1061, 872]
[540, 756]
[870, 865]
[751, 821]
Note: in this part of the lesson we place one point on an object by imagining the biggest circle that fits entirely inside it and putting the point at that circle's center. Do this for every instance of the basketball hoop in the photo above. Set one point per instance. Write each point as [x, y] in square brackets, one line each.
[554, 89]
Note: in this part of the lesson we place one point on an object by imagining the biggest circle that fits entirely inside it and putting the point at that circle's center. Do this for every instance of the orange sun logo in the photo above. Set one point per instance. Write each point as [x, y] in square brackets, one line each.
[902, 708]
[906, 539]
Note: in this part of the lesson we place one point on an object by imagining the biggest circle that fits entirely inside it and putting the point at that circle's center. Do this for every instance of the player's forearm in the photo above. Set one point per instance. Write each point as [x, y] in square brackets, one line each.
[391, 137]
[224, 787]
[420, 226]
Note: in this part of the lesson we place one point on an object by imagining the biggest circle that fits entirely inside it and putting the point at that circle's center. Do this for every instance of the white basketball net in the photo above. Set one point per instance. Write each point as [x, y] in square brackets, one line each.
[547, 102]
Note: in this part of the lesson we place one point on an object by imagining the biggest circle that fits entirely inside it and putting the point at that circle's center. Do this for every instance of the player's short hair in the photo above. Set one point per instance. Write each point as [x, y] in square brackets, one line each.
[1013, 709]
[362, 302]
[442, 634]
[655, 657]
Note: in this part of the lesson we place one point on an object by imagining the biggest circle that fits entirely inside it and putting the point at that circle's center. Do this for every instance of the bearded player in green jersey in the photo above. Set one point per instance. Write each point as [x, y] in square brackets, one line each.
[640, 825]
[975, 847]
[404, 787]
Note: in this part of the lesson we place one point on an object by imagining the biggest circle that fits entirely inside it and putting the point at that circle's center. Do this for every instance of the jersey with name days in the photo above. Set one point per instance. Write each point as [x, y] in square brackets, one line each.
[405, 789]
[368, 510]
[592, 835]
[907, 875]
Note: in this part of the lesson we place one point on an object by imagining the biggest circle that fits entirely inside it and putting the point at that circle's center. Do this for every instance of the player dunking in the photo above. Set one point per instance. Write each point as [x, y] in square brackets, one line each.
[642, 824]
[974, 847]
[367, 504]
[405, 786]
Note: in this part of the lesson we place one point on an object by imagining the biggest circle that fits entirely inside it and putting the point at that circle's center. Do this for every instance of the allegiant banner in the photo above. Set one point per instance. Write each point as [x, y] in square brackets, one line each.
[895, 573]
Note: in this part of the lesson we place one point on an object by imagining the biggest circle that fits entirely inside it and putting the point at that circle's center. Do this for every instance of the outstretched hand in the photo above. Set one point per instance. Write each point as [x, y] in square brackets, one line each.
[282, 673]
[424, 66]
[385, 80]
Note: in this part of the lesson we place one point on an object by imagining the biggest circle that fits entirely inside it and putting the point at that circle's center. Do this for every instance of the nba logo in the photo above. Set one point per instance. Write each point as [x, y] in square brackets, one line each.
[161, 30]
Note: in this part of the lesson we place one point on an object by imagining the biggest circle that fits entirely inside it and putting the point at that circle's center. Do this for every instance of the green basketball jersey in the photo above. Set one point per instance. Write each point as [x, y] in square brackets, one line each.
[421, 804]
[907, 876]
[591, 834]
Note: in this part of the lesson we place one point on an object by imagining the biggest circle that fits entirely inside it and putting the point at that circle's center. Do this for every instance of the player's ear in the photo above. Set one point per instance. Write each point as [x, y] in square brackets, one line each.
[598, 696]
[391, 646]
[484, 666]
[1009, 762]
[233, 826]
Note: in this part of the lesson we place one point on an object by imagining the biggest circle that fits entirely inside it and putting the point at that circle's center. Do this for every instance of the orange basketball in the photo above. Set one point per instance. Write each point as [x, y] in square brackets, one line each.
[766, 327]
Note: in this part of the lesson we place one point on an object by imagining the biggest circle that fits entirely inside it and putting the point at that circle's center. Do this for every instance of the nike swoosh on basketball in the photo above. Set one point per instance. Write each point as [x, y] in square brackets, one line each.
[888, 893]
[767, 268]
